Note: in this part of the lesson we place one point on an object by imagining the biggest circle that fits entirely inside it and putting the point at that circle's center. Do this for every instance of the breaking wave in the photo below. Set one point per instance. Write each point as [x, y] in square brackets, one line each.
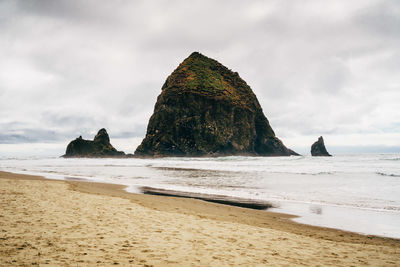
[388, 174]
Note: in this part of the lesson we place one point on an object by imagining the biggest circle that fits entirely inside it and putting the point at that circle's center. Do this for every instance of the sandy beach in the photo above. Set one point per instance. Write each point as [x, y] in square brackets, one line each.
[70, 223]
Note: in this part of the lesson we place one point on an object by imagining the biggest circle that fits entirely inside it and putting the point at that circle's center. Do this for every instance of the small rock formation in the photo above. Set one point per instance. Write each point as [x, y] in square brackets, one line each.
[318, 148]
[98, 148]
[205, 109]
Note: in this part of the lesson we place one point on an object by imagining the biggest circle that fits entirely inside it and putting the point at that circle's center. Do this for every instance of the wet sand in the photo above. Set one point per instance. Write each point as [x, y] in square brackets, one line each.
[64, 223]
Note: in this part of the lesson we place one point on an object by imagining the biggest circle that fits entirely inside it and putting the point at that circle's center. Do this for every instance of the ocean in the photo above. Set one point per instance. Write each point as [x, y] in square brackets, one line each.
[358, 193]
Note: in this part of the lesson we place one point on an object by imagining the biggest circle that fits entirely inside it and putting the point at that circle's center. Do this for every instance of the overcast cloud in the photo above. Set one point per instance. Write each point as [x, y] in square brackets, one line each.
[69, 68]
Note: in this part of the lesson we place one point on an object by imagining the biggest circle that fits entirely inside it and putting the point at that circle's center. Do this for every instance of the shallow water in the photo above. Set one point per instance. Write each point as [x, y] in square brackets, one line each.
[359, 193]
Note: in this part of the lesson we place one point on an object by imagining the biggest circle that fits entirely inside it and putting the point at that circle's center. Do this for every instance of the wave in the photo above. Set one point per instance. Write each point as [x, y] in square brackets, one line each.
[321, 173]
[117, 165]
[391, 159]
[388, 174]
[307, 173]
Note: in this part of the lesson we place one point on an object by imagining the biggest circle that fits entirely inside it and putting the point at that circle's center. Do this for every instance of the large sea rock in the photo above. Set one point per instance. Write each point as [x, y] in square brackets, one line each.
[319, 149]
[205, 109]
[99, 147]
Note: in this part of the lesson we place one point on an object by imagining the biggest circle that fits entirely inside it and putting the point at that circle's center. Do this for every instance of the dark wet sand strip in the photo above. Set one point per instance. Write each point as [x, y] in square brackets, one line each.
[225, 200]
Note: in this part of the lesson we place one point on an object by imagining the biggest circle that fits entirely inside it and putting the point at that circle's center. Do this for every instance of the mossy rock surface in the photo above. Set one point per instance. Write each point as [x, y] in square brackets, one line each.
[205, 109]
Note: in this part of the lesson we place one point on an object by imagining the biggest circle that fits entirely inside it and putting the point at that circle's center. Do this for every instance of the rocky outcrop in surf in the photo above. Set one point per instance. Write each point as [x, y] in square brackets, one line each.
[318, 148]
[98, 148]
[205, 109]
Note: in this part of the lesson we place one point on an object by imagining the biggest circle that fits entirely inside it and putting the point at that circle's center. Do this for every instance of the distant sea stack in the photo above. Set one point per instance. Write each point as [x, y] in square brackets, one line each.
[205, 109]
[318, 148]
[98, 148]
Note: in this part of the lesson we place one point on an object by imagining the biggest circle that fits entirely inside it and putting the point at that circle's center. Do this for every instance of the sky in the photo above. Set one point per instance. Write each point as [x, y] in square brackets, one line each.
[69, 68]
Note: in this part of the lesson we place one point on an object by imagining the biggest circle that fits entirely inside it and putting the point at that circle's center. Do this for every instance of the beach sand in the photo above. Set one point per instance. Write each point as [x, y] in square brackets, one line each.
[69, 223]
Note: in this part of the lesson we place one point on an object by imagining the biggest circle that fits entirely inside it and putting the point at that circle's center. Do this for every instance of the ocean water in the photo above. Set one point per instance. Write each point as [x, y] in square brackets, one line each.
[358, 193]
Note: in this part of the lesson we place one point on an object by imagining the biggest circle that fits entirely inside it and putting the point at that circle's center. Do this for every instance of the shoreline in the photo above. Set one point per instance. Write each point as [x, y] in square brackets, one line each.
[277, 226]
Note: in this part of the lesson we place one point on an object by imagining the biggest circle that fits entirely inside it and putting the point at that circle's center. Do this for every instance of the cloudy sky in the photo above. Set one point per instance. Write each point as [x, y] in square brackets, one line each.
[69, 68]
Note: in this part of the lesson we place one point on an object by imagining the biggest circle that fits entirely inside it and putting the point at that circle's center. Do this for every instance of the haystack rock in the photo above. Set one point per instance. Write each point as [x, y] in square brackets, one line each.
[318, 148]
[205, 109]
[99, 147]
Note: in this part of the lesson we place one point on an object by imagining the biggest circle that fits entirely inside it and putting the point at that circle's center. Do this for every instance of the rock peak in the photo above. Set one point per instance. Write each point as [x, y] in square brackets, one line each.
[102, 136]
[196, 54]
[318, 148]
[195, 57]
